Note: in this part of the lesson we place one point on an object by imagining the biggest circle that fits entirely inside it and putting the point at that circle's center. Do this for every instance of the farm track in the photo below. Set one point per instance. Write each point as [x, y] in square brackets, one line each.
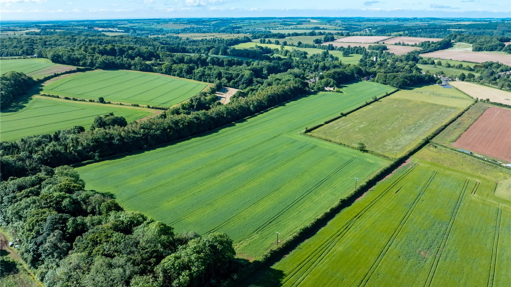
[396, 232]
[495, 250]
[326, 247]
[445, 237]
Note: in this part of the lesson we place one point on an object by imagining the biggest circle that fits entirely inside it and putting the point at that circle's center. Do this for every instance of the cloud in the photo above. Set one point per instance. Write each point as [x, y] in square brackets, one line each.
[17, 1]
[435, 6]
[148, 1]
[201, 3]
[370, 3]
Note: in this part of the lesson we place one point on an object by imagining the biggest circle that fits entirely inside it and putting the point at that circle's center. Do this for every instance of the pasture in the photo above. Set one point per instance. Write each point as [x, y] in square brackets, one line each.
[47, 115]
[468, 56]
[36, 68]
[452, 72]
[483, 92]
[126, 87]
[490, 134]
[352, 59]
[398, 123]
[394, 49]
[250, 180]
[425, 225]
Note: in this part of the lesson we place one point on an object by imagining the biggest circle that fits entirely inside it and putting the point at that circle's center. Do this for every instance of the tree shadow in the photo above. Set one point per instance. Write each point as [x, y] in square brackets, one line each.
[264, 277]
[22, 102]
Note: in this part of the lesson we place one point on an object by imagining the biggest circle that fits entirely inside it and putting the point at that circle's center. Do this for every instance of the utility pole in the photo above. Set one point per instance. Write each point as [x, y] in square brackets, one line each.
[278, 238]
[356, 182]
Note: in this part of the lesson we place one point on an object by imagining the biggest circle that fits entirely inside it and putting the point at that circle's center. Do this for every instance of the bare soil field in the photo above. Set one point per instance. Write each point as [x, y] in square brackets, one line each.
[489, 135]
[476, 57]
[409, 40]
[394, 49]
[362, 39]
[225, 94]
[482, 92]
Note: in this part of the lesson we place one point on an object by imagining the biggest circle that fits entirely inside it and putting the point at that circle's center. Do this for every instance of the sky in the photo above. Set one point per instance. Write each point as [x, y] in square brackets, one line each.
[142, 9]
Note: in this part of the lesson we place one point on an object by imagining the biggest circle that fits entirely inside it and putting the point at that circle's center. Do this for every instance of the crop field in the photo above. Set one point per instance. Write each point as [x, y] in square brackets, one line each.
[36, 68]
[426, 225]
[394, 49]
[249, 180]
[362, 39]
[47, 115]
[453, 73]
[127, 87]
[451, 133]
[409, 40]
[459, 46]
[396, 124]
[489, 135]
[352, 59]
[482, 92]
[475, 57]
[200, 36]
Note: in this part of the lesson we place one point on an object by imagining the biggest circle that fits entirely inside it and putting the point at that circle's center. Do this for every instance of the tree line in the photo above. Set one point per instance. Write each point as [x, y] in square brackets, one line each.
[76, 237]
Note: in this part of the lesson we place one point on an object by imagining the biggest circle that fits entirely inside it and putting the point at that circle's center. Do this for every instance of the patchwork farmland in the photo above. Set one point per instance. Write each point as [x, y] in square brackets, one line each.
[250, 180]
[126, 87]
[47, 115]
[396, 124]
[435, 221]
[36, 68]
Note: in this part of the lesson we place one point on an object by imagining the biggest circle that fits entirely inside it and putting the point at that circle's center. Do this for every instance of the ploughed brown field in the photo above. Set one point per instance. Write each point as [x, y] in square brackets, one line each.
[394, 49]
[409, 40]
[490, 135]
[475, 57]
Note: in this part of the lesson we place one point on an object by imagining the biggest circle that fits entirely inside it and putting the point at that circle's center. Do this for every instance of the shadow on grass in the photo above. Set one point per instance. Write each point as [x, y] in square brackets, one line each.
[264, 277]
[22, 102]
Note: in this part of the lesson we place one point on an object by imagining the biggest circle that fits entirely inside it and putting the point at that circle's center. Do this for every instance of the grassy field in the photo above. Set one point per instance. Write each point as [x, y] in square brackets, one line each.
[250, 180]
[396, 124]
[426, 225]
[127, 87]
[454, 130]
[441, 70]
[36, 68]
[47, 115]
[352, 59]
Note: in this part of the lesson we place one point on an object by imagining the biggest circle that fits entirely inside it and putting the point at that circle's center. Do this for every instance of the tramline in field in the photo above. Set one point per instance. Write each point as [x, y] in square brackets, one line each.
[433, 222]
[36, 68]
[47, 115]
[126, 87]
[250, 180]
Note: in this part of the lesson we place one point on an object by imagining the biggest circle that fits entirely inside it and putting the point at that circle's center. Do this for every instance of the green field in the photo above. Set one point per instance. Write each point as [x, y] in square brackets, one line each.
[426, 225]
[47, 115]
[397, 123]
[441, 70]
[127, 87]
[352, 59]
[250, 180]
[36, 68]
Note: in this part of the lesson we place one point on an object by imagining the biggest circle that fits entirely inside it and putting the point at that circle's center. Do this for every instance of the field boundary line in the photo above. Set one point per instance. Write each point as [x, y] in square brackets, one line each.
[495, 249]
[396, 232]
[324, 249]
[446, 235]
[345, 114]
